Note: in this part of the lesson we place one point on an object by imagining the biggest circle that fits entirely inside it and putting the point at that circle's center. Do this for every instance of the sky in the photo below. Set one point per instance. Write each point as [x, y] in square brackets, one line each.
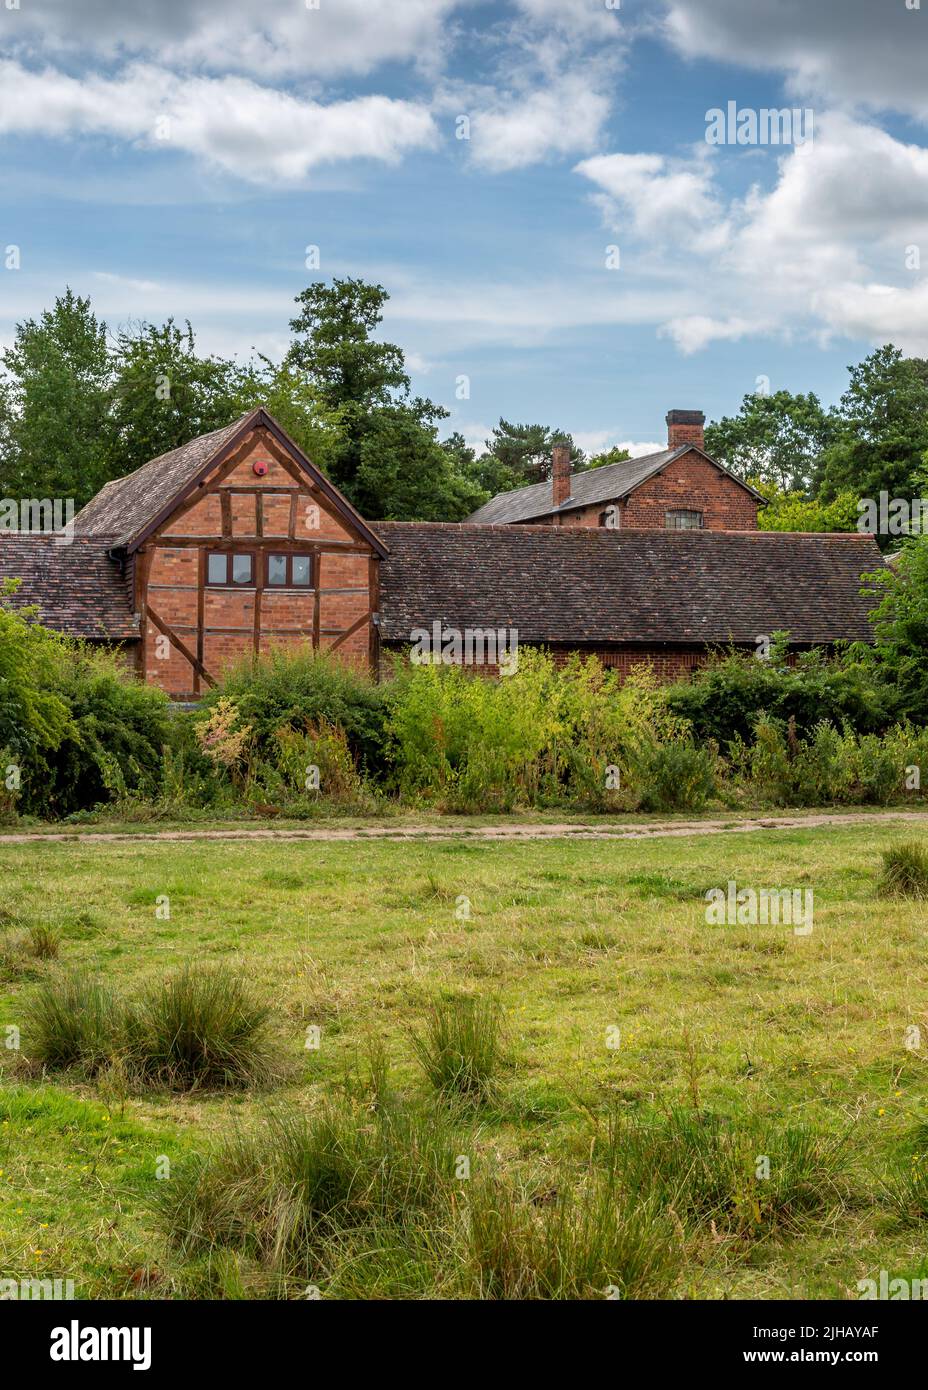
[535, 183]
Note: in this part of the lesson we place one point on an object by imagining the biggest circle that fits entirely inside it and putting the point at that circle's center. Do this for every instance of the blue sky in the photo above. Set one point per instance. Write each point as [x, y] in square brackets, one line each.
[179, 158]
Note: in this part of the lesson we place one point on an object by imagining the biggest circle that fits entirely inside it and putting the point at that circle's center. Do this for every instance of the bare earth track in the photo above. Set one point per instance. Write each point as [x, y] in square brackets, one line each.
[658, 830]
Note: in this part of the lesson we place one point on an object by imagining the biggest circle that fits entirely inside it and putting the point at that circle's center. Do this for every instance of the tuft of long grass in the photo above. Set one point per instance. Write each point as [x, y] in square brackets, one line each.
[200, 1028]
[460, 1046]
[203, 1027]
[905, 872]
[73, 1019]
[595, 1243]
[44, 941]
[748, 1178]
[308, 1196]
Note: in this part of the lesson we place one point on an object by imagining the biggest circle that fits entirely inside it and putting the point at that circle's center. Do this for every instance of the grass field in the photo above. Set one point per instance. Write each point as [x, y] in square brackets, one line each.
[619, 1000]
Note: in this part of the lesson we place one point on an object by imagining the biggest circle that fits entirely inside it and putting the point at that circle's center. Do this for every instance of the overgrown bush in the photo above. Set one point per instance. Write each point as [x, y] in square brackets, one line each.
[76, 726]
[200, 1028]
[676, 776]
[723, 699]
[905, 872]
[830, 766]
[459, 1047]
[543, 735]
[295, 687]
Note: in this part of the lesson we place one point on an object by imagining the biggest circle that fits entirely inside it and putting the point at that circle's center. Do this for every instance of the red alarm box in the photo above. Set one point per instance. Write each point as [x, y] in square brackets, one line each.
[259, 467]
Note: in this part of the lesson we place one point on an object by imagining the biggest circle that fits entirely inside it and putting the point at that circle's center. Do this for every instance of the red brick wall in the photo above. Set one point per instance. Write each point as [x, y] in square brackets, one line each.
[171, 588]
[691, 483]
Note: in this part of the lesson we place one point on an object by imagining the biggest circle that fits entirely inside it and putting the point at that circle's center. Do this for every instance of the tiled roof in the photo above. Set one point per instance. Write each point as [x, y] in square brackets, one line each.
[613, 480]
[590, 584]
[77, 588]
[122, 508]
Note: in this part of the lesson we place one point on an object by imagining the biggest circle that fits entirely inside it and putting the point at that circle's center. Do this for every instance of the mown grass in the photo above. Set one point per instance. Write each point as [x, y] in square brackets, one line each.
[623, 1011]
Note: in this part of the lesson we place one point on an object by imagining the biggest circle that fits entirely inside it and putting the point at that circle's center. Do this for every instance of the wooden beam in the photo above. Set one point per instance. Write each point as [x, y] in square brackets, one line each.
[201, 610]
[373, 586]
[317, 575]
[343, 636]
[281, 543]
[225, 503]
[182, 647]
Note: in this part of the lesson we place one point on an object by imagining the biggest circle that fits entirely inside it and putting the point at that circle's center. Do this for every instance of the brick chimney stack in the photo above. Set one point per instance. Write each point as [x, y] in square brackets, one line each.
[685, 427]
[560, 473]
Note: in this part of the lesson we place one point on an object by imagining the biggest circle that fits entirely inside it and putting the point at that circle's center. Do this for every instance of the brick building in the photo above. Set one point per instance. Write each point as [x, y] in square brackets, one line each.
[236, 542]
[680, 488]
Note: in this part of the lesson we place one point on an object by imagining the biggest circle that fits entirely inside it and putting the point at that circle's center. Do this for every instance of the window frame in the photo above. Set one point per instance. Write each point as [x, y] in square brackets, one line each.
[289, 556]
[684, 511]
[228, 582]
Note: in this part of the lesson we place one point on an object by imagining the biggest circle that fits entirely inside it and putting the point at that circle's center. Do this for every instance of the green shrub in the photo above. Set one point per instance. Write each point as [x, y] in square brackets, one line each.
[460, 1046]
[906, 1181]
[203, 1026]
[44, 940]
[542, 735]
[723, 700]
[676, 776]
[579, 1245]
[749, 1177]
[73, 1019]
[905, 872]
[294, 687]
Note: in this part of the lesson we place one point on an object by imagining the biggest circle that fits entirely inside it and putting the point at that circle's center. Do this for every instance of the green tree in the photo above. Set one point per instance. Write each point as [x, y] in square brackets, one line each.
[613, 455]
[792, 511]
[778, 439]
[387, 459]
[883, 429]
[165, 393]
[405, 474]
[520, 454]
[900, 619]
[54, 414]
[292, 398]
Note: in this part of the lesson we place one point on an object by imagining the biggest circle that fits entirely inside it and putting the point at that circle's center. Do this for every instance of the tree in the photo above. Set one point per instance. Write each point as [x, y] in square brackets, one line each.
[900, 619]
[405, 474]
[792, 511]
[288, 394]
[777, 439]
[54, 415]
[387, 459]
[883, 429]
[520, 454]
[613, 455]
[165, 394]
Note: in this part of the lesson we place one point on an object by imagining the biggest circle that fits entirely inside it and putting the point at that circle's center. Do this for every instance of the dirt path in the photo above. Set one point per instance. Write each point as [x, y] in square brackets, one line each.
[655, 831]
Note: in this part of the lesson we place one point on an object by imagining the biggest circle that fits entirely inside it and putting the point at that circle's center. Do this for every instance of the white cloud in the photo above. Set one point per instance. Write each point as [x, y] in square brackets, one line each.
[811, 255]
[656, 197]
[276, 38]
[251, 131]
[857, 52]
[562, 117]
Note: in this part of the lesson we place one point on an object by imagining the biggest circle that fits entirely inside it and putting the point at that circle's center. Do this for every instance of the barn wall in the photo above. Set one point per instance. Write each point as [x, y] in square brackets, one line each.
[186, 622]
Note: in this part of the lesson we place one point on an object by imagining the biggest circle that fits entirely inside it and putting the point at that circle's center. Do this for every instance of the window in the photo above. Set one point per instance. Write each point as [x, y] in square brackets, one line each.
[230, 570]
[288, 572]
[683, 521]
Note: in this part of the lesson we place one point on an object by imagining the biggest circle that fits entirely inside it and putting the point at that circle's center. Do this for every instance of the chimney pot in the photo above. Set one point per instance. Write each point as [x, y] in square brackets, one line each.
[560, 474]
[685, 427]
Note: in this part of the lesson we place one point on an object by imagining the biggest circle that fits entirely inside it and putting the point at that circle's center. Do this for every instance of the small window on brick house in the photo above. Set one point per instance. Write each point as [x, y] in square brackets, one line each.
[683, 521]
[230, 570]
[288, 572]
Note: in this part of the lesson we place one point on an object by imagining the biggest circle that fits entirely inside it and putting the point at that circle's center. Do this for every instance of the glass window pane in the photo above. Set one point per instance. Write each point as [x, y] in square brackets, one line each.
[277, 569]
[301, 570]
[241, 569]
[216, 569]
